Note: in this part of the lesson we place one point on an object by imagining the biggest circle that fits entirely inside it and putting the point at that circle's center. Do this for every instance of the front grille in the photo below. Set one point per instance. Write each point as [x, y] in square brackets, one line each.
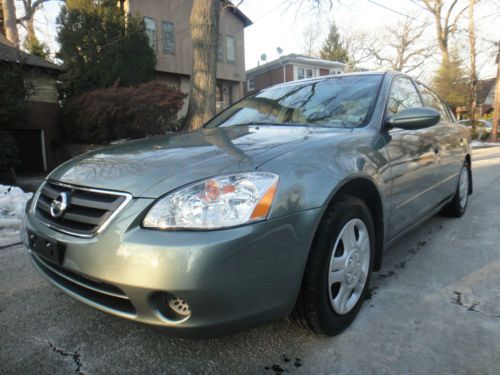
[102, 294]
[87, 212]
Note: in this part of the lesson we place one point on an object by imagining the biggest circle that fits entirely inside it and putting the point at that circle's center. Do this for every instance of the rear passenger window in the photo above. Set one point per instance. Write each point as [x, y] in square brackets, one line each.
[403, 95]
[433, 101]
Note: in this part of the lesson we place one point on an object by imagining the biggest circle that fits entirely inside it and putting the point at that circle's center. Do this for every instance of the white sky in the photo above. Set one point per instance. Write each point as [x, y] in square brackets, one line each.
[282, 23]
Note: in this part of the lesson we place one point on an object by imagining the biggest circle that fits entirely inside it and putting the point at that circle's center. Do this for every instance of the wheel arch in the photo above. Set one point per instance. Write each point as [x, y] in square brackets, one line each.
[365, 189]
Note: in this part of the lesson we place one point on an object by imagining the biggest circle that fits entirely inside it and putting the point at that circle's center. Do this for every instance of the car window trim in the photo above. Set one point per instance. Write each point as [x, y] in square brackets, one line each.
[367, 120]
[386, 105]
[451, 117]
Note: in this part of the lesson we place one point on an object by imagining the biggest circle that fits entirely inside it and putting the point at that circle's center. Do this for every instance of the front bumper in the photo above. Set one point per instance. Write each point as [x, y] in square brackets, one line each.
[232, 279]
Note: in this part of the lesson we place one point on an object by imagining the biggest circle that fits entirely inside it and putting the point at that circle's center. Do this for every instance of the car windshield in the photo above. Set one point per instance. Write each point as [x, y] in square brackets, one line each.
[344, 101]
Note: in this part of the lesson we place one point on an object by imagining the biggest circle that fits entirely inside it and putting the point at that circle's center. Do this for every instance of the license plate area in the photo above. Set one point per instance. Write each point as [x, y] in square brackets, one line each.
[47, 248]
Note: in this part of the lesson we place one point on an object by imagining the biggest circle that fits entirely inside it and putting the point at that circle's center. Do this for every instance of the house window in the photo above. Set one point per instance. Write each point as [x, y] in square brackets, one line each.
[230, 49]
[310, 73]
[251, 84]
[300, 73]
[168, 38]
[220, 49]
[151, 31]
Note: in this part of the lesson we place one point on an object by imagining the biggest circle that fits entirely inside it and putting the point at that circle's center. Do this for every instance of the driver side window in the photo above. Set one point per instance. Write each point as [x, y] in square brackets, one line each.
[403, 95]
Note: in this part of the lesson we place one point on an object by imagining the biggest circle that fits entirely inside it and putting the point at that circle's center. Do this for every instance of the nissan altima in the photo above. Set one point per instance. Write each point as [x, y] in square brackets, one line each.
[283, 204]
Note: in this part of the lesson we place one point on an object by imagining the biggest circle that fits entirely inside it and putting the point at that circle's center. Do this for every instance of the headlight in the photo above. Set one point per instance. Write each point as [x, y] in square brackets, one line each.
[217, 202]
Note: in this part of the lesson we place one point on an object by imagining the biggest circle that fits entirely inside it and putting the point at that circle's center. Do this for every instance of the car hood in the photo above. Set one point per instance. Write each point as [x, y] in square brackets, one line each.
[154, 166]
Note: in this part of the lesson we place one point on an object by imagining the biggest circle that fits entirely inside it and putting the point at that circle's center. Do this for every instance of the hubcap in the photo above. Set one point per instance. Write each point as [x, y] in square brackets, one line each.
[463, 187]
[349, 266]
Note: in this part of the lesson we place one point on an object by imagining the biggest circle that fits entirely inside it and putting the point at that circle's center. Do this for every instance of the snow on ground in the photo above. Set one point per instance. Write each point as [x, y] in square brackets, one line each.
[12, 204]
[479, 144]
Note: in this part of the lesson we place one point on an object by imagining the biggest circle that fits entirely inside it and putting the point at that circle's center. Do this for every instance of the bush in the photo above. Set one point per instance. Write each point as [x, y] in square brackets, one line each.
[13, 93]
[113, 113]
[100, 45]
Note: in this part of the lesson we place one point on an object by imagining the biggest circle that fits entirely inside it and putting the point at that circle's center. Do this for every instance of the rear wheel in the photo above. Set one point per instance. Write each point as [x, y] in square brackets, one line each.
[338, 271]
[458, 205]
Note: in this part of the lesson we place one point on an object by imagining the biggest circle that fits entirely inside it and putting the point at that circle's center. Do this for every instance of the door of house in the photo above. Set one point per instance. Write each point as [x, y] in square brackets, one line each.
[30, 150]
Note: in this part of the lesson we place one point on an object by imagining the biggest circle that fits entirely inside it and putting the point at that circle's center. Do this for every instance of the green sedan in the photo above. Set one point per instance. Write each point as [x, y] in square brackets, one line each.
[283, 204]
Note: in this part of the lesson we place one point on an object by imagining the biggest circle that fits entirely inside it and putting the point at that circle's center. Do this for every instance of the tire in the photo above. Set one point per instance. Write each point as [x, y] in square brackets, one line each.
[457, 207]
[329, 273]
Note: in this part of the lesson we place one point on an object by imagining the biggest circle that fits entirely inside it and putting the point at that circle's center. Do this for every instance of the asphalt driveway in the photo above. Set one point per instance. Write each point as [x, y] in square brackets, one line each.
[433, 308]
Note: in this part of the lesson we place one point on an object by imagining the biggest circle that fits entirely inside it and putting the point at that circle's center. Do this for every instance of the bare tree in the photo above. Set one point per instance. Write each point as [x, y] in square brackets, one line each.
[9, 15]
[355, 42]
[27, 20]
[204, 25]
[496, 103]
[310, 36]
[401, 48]
[446, 20]
[473, 69]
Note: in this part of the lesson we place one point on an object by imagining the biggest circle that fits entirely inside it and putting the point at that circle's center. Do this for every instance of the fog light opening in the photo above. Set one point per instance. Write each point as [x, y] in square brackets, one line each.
[171, 308]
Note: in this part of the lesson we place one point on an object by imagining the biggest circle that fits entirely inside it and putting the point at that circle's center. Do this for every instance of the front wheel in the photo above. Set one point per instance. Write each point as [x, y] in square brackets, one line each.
[338, 270]
[458, 205]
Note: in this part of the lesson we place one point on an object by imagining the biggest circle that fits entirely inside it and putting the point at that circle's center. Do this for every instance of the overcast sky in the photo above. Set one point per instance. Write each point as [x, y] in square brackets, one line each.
[281, 23]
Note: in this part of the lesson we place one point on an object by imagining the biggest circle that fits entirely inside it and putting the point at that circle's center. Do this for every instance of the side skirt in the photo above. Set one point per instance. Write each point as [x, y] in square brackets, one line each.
[418, 222]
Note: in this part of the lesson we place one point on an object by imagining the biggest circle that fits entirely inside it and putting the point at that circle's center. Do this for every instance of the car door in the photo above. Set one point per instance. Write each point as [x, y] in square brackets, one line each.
[451, 143]
[413, 159]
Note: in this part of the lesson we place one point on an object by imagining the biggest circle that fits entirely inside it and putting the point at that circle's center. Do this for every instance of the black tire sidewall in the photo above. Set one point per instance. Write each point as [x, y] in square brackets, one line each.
[456, 209]
[330, 322]
[462, 209]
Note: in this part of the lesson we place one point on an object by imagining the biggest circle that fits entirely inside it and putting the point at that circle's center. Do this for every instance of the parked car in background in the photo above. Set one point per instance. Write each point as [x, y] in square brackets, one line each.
[482, 127]
[282, 204]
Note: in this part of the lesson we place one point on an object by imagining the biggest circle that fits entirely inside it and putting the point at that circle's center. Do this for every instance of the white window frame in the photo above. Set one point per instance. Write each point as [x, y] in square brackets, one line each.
[152, 33]
[165, 39]
[251, 84]
[301, 73]
[220, 48]
[233, 40]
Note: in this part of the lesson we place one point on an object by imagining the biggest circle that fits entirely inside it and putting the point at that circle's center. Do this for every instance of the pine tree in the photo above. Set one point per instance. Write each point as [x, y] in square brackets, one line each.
[451, 82]
[101, 46]
[333, 48]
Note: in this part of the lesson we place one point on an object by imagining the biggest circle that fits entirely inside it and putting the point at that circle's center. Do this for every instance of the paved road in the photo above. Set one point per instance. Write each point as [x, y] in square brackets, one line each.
[434, 309]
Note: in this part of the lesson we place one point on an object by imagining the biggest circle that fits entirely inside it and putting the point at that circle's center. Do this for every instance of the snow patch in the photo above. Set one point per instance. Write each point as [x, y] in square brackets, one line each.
[479, 144]
[12, 205]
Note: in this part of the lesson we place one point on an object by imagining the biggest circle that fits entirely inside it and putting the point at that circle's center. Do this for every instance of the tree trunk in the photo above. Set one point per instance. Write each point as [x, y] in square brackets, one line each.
[204, 24]
[9, 16]
[496, 104]
[30, 29]
[473, 70]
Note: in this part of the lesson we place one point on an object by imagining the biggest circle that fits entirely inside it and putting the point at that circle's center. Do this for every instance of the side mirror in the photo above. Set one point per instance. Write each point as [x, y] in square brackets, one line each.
[413, 118]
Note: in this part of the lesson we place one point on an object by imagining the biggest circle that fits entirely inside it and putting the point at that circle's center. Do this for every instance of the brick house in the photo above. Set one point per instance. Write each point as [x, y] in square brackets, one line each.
[167, 26]
[290, 68]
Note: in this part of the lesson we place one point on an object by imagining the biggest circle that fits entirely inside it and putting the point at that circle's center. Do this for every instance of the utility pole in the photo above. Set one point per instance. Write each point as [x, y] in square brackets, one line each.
[496, 103]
